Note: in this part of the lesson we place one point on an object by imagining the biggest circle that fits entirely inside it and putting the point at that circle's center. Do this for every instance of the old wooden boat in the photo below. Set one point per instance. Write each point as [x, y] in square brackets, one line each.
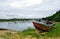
[42, 26]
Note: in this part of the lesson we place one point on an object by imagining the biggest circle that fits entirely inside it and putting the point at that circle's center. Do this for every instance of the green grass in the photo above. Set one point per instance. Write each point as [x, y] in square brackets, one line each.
[30, 32]
[54, 32]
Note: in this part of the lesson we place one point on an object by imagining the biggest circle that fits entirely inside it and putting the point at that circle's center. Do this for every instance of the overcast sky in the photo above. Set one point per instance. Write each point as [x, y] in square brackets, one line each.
[28, 8]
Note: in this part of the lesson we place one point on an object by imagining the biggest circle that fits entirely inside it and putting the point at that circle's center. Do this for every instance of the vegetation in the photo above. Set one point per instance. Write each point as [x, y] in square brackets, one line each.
[14, 19]
[17, 19]
[30, 33]
[55, 17]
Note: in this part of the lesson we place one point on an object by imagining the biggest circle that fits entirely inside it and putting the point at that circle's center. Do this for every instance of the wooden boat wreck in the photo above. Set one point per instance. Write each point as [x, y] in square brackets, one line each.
[40, 26]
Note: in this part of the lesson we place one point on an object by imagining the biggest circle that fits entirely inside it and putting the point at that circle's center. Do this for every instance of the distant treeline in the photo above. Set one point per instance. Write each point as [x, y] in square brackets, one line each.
[55, 17]
[17, 19]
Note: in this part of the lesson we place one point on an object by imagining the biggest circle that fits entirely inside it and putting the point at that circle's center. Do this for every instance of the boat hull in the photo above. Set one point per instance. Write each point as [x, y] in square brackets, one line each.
[39, 26]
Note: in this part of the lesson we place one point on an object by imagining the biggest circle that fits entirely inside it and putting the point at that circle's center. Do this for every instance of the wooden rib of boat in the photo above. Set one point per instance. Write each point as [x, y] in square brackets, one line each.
[40, 27]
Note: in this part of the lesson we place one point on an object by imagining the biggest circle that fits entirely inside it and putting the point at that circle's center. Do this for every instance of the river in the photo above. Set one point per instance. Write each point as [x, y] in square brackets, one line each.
[18, 25]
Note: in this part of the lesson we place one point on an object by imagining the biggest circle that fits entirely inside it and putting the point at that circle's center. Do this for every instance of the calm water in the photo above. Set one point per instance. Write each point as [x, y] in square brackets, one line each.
[18, 25]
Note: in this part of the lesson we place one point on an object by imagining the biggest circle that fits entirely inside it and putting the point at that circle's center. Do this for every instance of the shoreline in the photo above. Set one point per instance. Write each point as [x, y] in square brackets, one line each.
[29, 33]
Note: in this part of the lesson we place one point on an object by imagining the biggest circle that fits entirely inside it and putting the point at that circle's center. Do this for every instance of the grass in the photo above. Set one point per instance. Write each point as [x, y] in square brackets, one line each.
[54, 32]
[30, 33]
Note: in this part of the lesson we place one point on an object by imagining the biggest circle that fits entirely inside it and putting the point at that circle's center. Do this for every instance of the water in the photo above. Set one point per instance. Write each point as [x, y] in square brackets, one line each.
[18, 25]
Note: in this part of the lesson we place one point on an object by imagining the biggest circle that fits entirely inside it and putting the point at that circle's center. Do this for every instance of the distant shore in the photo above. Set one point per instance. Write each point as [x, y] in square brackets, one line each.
[16, 19]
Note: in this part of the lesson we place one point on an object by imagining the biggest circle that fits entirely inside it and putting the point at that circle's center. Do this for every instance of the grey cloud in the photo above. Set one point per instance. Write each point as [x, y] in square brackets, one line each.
[46, 8]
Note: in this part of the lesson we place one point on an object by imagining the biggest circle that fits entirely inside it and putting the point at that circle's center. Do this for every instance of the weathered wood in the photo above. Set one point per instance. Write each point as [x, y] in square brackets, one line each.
[39, 26]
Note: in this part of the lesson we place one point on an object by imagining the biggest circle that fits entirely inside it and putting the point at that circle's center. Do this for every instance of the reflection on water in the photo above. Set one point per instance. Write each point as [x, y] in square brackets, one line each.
[18, 25]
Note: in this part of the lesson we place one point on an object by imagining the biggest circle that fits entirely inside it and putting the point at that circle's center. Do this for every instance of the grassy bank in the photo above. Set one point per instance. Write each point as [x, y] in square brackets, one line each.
[54, 33]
